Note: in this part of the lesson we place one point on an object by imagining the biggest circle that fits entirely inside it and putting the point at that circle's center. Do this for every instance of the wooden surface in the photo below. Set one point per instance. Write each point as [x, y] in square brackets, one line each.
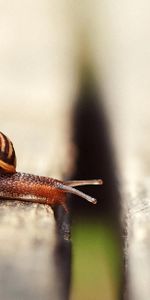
[28, 243]
[138, 247]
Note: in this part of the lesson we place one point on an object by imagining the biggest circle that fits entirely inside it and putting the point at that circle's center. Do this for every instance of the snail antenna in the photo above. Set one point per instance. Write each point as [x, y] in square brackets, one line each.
[68, 187]
[84, 182]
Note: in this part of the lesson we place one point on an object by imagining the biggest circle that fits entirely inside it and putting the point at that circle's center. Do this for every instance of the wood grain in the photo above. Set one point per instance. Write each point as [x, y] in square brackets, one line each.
[138, 246]
[28, 241]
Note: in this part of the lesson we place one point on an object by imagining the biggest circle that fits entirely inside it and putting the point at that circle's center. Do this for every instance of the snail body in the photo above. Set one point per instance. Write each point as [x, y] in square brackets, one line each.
[27, 187]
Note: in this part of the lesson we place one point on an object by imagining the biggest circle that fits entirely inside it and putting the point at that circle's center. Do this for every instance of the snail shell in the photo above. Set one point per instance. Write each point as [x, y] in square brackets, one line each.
[7, 155]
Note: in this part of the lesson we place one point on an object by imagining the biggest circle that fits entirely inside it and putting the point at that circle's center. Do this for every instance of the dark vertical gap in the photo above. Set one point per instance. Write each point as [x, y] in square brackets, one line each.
[95, 157]
[96, 160]
[63, 251]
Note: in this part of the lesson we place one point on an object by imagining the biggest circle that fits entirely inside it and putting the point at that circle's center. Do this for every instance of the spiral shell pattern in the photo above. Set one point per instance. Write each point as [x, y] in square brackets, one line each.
[7, 155]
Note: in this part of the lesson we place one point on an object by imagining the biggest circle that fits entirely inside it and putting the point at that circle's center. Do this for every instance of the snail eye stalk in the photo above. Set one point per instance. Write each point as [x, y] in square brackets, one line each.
[68, 187]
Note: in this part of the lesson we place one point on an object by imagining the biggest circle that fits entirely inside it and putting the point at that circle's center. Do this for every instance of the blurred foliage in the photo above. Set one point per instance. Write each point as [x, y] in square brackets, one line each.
[96, 261]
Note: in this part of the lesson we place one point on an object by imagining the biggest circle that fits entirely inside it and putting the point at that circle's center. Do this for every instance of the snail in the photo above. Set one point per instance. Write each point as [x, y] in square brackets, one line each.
[28, 187]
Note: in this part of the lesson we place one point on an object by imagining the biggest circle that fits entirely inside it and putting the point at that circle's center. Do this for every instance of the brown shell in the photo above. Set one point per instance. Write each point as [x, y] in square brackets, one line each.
[7, 155]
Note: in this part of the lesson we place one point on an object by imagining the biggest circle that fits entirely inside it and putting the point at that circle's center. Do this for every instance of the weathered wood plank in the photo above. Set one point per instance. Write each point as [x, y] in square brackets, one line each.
[28, 240]
[138, 246]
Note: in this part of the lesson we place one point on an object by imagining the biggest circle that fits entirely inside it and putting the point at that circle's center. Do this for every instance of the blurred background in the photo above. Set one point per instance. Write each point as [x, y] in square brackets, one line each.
[97, 236]
[74, 85]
